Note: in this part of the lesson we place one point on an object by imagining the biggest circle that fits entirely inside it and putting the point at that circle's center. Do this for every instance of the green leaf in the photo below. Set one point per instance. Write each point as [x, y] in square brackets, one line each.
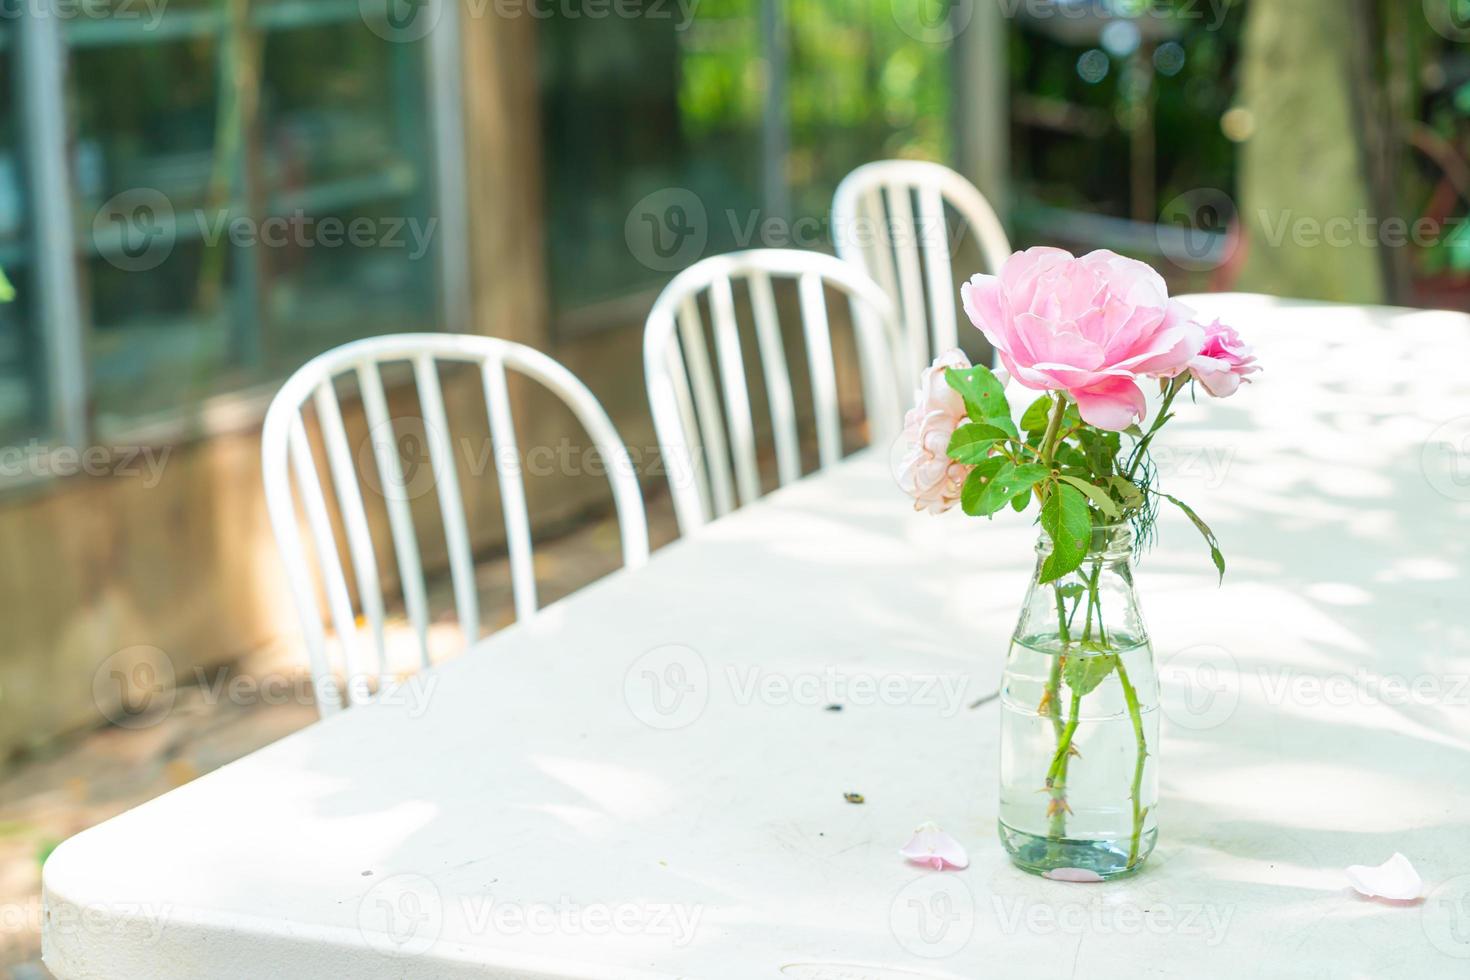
[1100, 450]
[1009, 482]
[1065, 517]
[1004, 423]
[985, 397]
[1084, 674]
[972, 443]
[1067, 455]
[1021, 501]
[975, 483]
[1035, 418]
[1215, 554]
[1132, 496]
[1097, 495]
[7, 291]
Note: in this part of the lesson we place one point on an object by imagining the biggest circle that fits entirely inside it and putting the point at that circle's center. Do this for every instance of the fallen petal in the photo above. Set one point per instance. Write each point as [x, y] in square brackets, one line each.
[1072, 874]
[934, 847]
[1394, 879]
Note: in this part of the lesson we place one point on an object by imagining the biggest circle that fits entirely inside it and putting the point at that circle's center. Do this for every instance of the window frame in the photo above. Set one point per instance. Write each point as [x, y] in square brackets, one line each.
[53, 273]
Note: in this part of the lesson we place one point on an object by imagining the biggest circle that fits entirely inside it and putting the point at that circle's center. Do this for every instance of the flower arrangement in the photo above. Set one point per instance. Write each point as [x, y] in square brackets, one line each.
[1086, 333]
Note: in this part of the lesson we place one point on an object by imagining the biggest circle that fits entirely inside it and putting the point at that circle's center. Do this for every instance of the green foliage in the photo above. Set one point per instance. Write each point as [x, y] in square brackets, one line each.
[7, 291]
[999, 485]
[976, 482]
[985, 397]
[1085, 477]
[1096, 494]
[972, 443]
[1099, 450]
[1009, 482]
[1066, 518]
[1215, 554]
[1034, 419]
[1126, 492]
[1084, 674]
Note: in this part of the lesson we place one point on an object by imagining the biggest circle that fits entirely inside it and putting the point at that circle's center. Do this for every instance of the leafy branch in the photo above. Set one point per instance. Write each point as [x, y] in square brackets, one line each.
[1082, 478]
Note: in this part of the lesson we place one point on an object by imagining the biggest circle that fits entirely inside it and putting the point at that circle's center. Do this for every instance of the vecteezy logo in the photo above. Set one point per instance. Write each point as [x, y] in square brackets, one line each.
[932, 21]
[667, 687]
[1449, 18]
[933, 916]
[134, 688]
[135, 230]
[1199, 687]
[1445, 459]
[402, 441]
[667, 230]
[1193, 230]
[400, 21]
[1446, 917]
[402, 915]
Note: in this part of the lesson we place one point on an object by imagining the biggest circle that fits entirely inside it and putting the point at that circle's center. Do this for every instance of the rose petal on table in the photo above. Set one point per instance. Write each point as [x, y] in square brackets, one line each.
[1072, 874]
[934, 847]
[1394, 879]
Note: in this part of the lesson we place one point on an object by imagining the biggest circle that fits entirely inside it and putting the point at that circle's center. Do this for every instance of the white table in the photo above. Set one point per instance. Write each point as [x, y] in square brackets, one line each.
[646, 782]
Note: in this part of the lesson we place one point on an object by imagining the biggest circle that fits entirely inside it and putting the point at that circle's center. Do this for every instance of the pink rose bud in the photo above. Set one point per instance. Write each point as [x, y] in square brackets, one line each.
[1223, 362]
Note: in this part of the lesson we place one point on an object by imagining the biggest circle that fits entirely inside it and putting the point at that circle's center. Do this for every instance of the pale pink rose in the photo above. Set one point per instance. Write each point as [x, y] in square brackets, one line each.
[926, 472]
[1223, 362]
[1090, 327]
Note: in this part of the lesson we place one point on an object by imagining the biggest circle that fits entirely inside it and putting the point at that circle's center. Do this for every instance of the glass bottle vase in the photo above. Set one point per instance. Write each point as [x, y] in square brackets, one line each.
[1080, 722]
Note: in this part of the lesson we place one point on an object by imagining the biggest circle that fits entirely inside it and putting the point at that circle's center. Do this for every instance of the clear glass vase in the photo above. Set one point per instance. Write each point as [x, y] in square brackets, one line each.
[1079, 727]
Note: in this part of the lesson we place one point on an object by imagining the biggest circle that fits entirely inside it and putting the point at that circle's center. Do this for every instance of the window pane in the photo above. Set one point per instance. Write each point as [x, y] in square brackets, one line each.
[22, 413]
[675, 115]
[665, 108]
[238, 229]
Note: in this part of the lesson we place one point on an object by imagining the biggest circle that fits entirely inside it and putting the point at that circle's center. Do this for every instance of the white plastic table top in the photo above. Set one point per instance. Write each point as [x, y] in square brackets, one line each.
[646, 780]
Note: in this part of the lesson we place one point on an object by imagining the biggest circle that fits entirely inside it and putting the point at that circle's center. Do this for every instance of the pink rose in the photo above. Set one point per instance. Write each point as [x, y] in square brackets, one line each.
[926, 472]
[1090, 327]
[1223, 362]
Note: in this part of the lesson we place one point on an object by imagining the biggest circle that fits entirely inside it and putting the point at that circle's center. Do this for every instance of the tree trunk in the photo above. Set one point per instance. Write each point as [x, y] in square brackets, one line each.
[1307, 206]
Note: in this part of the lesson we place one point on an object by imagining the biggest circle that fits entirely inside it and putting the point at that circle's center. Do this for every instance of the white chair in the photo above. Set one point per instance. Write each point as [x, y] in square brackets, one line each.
[689, 420]
[873, 225]
[285, 441]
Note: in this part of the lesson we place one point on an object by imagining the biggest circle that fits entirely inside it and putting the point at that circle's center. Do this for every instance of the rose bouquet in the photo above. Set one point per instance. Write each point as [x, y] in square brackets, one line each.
[1087, 333]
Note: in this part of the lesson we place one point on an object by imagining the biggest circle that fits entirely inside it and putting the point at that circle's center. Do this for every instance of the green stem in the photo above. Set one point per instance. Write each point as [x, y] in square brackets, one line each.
[1130, 695]
[1056, 775]
[1094, 601]
[1053, 426]
[1175, 386]
[1054, 706]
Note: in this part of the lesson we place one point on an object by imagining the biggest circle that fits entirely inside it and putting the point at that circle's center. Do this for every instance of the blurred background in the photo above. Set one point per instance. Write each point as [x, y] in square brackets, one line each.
[197, 196]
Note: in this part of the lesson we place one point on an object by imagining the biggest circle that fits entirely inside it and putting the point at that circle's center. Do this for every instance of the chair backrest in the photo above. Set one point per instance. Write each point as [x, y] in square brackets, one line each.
[689, 420]
[286, 450]
[874, 225]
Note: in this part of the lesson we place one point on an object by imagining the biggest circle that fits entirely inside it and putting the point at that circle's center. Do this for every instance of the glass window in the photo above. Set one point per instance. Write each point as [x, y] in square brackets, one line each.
[675, 113]
[670, 113]
[21, 405]
[250, 195]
